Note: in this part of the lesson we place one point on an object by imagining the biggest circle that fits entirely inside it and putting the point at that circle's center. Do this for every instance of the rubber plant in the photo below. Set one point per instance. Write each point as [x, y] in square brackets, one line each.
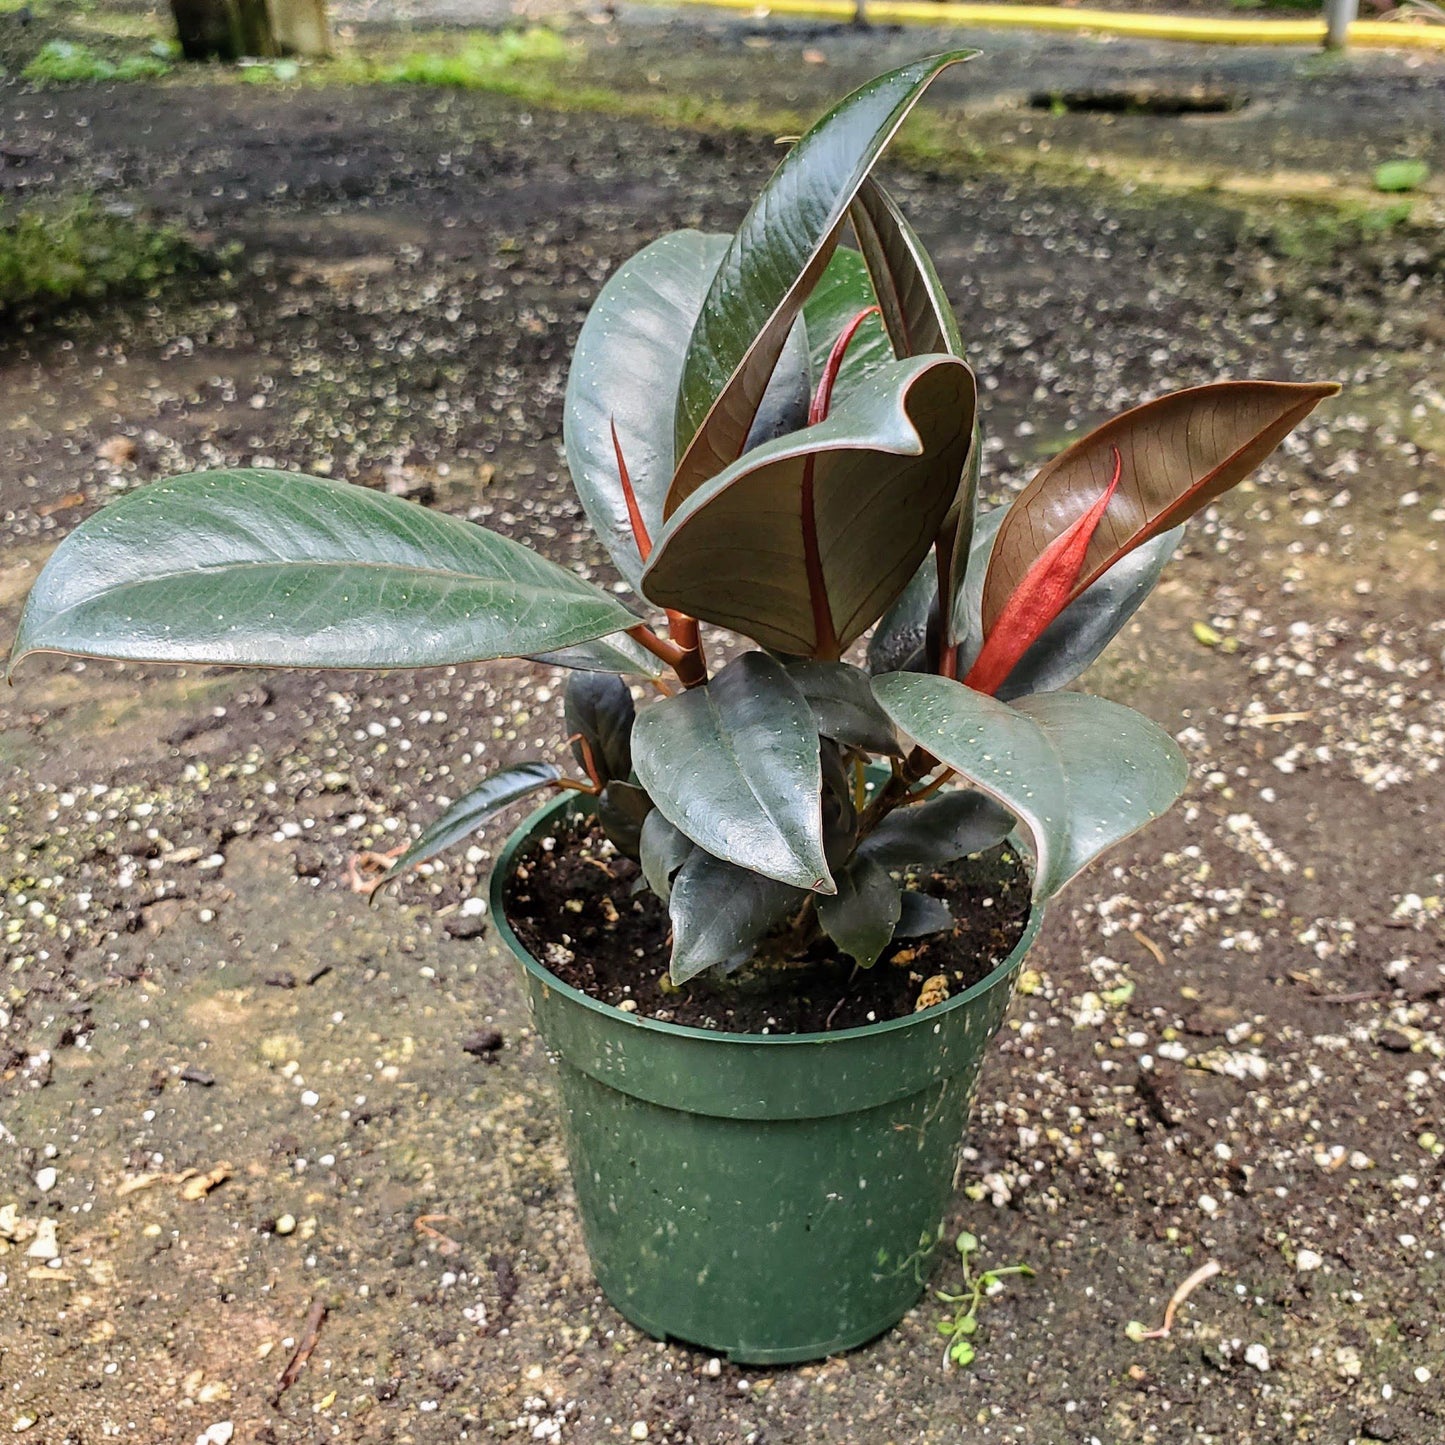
[774, 433]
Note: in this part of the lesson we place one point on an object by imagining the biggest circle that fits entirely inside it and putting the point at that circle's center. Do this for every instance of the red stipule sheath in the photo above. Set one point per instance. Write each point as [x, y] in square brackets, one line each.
[634, 512]
[1040, 596]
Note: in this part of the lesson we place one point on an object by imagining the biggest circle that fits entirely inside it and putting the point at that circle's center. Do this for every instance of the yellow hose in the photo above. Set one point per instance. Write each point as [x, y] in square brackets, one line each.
[1371, 34]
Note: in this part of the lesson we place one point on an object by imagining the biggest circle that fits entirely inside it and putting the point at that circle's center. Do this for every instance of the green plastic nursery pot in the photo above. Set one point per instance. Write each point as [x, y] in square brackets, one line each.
[772, 1198]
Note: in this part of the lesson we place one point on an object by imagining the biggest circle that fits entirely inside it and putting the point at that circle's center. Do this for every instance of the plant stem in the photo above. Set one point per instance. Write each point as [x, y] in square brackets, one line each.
[692, 672]
[659, 647]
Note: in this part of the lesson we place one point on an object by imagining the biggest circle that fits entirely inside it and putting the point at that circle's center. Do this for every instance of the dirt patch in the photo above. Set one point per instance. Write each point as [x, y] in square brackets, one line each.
[574, 906]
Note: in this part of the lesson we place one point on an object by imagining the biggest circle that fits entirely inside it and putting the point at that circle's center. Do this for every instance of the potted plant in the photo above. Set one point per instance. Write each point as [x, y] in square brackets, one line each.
[850, 846]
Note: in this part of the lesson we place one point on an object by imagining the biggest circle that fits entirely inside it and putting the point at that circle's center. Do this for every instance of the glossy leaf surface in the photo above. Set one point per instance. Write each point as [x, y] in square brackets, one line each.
[919, 320]
[720, 913]
[470, 812]
[955, 541]
[622, 809]
[1122, 769]
[1178, 453]
[784, 407]
[921, 914]
[844, 705]
[663, 850]
[899, 641]
[951, 825]
[625, 371]
[881, 470]
[615, 653]
[998, 749]
[1077, 636]
[916, 310]
[773, 262]
[735, 766]
[842, 292]
[597, 710]
[275, 569]
[861, 916]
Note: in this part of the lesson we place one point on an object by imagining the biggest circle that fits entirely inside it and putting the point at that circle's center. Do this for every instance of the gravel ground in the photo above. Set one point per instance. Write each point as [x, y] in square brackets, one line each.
[231, 1096]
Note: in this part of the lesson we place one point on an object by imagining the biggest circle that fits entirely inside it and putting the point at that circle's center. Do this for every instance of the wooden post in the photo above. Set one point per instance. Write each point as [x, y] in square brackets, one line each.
[300, 27]
[231, 29]
[1339, 16]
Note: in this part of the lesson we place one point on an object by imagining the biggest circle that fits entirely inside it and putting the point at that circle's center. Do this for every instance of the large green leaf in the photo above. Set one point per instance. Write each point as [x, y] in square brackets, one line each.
[861, 916]
[720, 913]
[1123, 770]
[844, 705]
[919, 319]
[623, 809]
[625, 372]
[473, 809]
[819, 531]
[274, 569]
[955, 539]
[616, 653]
[1176, 454]
[921, 914]
[998, 749]
[950, 825]
[778, 254]
[662, 850]
[1091, 621]
[899, 642]
[916, 309]
[842, 292]
[1076, 637]
[784, 407]
[968, 600]
[735, 766]
[597, 710]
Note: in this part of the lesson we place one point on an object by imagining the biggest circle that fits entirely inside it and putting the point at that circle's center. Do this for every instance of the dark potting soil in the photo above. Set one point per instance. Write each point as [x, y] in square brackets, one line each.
[572, 906]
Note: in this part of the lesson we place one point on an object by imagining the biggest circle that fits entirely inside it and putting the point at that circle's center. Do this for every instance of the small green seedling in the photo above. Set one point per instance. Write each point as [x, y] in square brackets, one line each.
[960, 1327]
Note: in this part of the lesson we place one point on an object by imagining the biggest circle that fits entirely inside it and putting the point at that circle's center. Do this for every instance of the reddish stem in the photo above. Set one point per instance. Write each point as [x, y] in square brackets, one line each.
[686, 657]
[686, 662]
[659, 647]
[684, 631]
[589, 763]
[823, 397]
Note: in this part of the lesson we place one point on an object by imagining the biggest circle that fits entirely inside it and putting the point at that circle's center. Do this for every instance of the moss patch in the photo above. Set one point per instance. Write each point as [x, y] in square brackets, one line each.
[78, 250]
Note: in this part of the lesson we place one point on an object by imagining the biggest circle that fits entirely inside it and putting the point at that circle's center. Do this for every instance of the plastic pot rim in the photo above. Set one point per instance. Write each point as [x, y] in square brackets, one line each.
[533, 825]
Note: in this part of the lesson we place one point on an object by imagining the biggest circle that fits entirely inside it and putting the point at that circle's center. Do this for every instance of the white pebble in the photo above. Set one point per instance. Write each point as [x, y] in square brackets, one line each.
[310, 1099]
[1257, 1356]
[1307, 1260]
[45, 1179]
[1422, 1373]
[639, 1430]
